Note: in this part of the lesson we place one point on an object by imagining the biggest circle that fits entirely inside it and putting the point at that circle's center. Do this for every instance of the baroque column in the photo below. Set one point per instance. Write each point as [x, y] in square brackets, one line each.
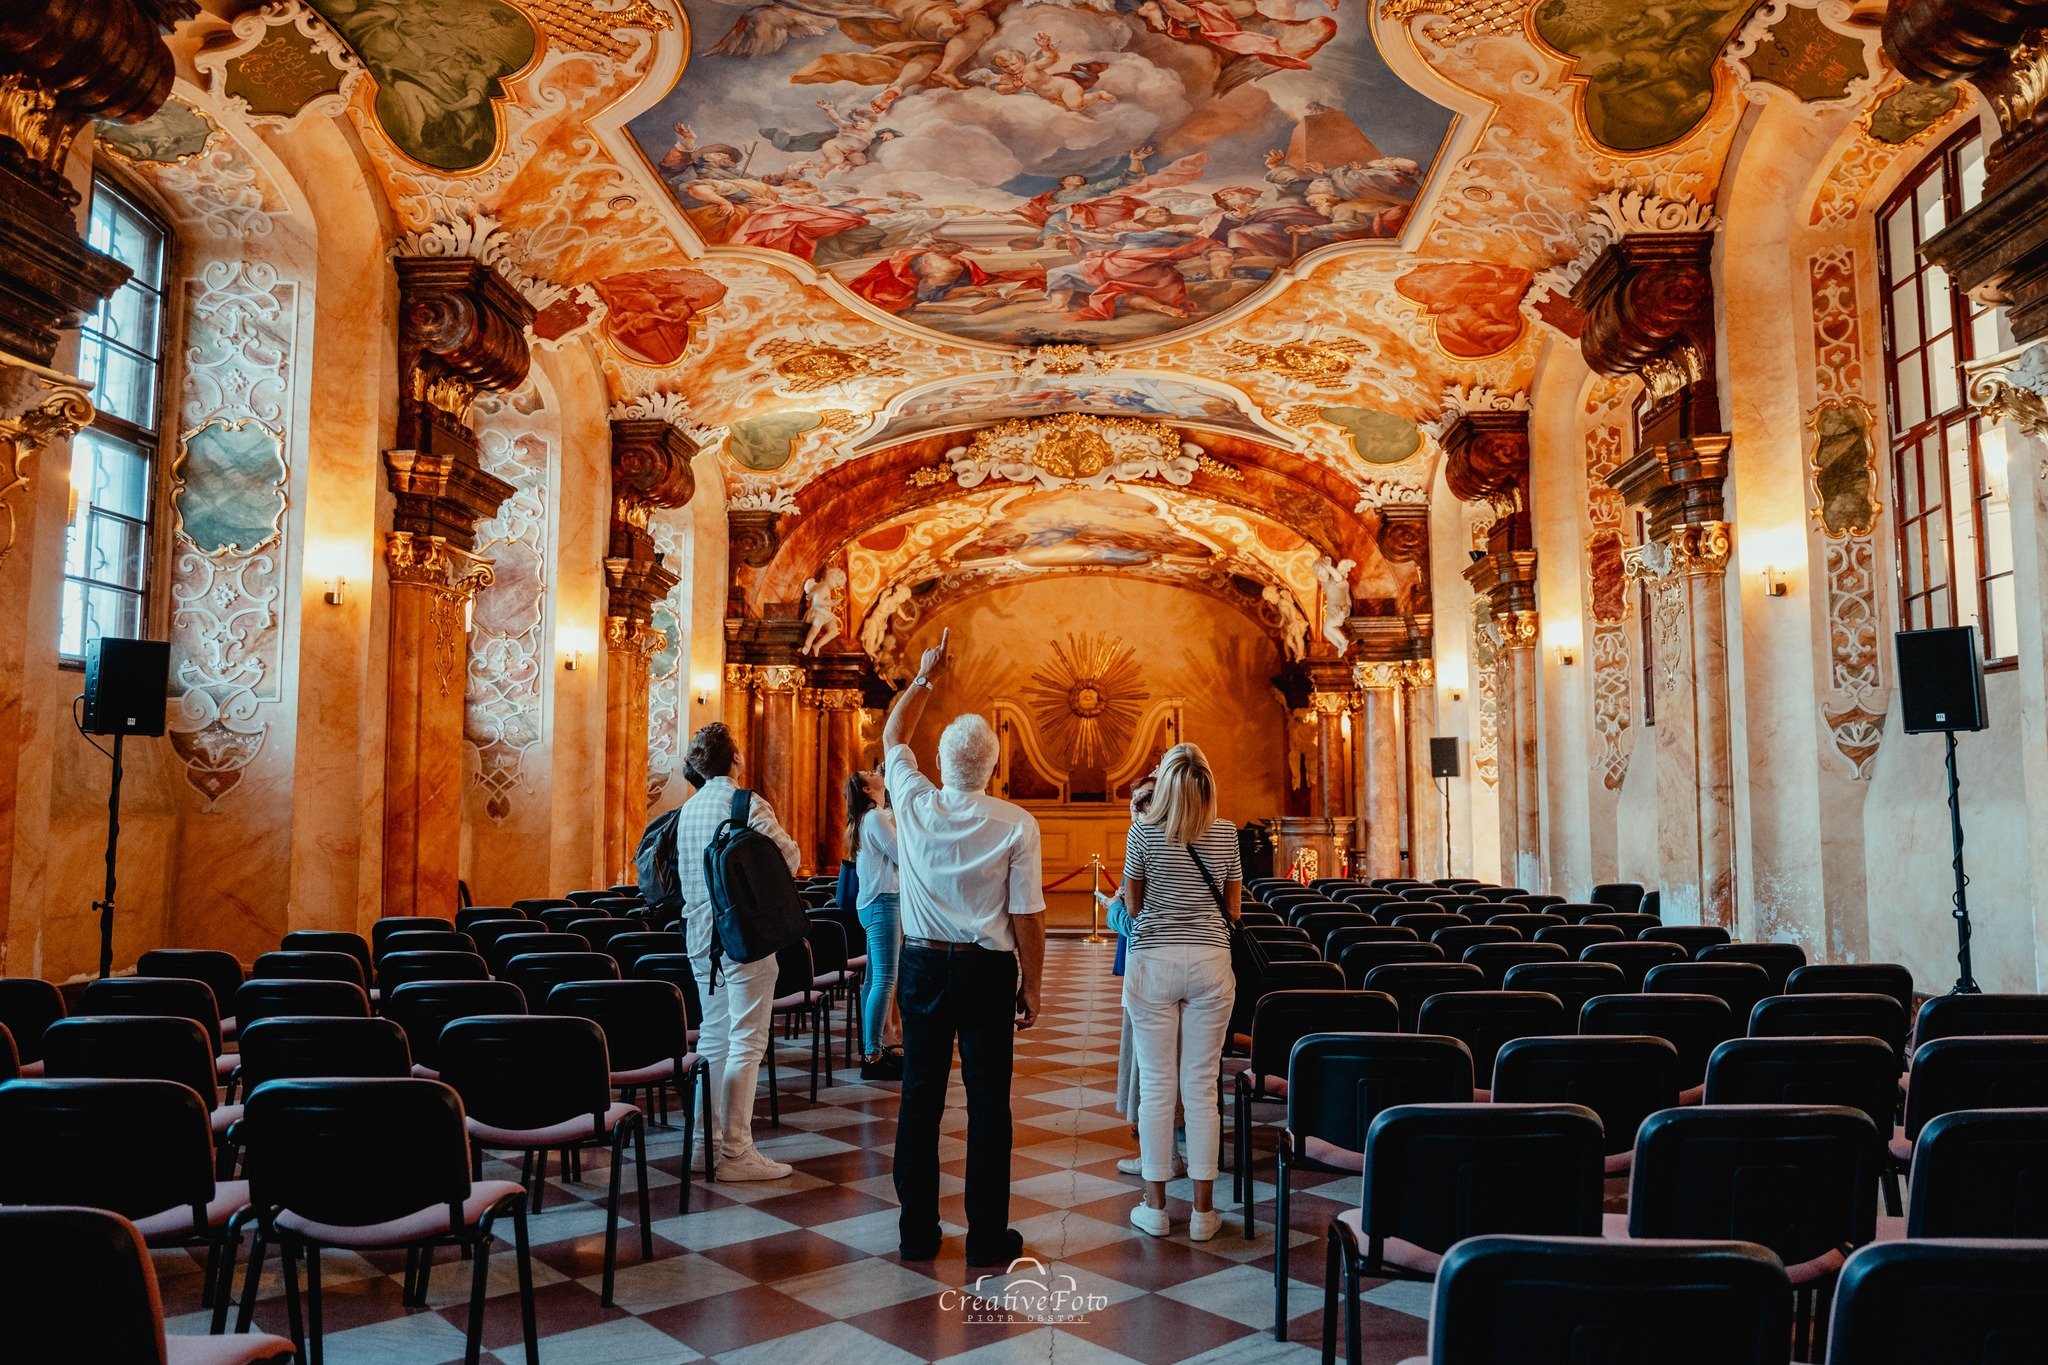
[772, 738]
[837, 696]
[650, 469]
[1425, 813]
[1382, 775]
[461, 331]
[1649, 304]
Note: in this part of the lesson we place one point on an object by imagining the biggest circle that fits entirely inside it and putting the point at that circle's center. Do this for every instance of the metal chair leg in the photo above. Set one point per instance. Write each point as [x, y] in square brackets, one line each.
[315, 1324]
[526, 1322]
[255, 1276]
[473, 1348]
[640, 1165]
[1280, 1240]
[611, 1216]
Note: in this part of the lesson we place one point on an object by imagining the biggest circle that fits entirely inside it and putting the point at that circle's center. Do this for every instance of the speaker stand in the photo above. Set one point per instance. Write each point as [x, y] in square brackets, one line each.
[1446, 784]
[1966, 981]
[106, 905]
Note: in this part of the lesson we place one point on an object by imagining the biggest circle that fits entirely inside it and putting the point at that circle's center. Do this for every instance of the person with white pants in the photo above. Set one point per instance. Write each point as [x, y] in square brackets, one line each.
[738, 997]
[1183, 880]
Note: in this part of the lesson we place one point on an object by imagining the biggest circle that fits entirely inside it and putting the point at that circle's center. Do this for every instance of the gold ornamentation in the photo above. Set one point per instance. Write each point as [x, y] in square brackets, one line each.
[778, 678]
[452, 573]
[1063, 358]
[1518, 629]
[446, 394]
[593, 30]
[1702, 548]
[1329, 704]
[2013, 387]
[1319, 364]
[1372, 674]
[1646, 562]
[60, 413]
[1070, 448]
[1087, 700]
[739, 677]
[28, 115]
[1673, 371]
[836, 699]
[624, 635]
[2022, 88]
[807, 367]
[1418, 674]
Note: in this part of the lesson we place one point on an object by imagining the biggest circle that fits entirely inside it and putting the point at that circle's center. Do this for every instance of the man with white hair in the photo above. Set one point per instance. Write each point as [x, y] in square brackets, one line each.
[973, 947]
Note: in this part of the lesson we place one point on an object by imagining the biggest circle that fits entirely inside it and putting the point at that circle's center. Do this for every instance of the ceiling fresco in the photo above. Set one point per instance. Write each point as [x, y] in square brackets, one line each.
[959, 405]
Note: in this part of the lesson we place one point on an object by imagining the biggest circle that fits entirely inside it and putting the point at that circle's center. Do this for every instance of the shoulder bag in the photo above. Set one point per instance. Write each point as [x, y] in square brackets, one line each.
[1247, 955]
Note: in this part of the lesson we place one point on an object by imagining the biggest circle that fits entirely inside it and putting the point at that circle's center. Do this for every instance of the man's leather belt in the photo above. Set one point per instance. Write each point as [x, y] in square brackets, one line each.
[940, 945]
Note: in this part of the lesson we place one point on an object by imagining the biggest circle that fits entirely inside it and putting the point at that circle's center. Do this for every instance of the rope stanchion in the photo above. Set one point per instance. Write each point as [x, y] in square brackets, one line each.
[1095, 934]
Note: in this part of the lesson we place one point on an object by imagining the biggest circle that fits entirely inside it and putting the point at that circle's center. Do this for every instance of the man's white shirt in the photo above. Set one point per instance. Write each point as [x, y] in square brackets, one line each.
[966, 861]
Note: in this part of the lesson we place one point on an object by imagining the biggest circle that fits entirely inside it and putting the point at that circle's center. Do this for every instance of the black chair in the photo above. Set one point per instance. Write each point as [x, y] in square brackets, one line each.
[1631, 926]
[1538, 901]
[1902, 1303]
[425, 941]
[1578, 912]
[647, 1037]
[558, 920]
[1634, 958]
[1458, 903]
[266, 998]
[1281, 976]
[1694, 1024]
[1499, 895]
[1950, 1074]
[1975, 1016]
[835, 977]
[599, 931]
[325, 1172]
[1856, 1072]
[222, 972]
[142, 1047]
[424, 1008]
[1340, 939]
[77, 1284]
[487, 933]
[1591, 1301]
[1411, 983]
[297, 964]
[1574, 983]
[589, 897]
[1624, 897]
[29, 1005]
[1320, 925]
[1337, 1084]
[533, 905]
[1425, 923]
[289, 1048]
[628, 949]
[487, 914]
[1623, 1080]
[1691, 937]
[535, 974]
[1861, 978]
[1282, 1019]
[395, 969]
[1840, 1015]
[10, 1060]
[510, 946]
[1436, 1175]
[332, 941]
[1484, 1020]
[1267, 918]
[1740, 984]
[1417, 892]
[159, 995]
[1360, 960]
[676, 969]
[1800, 1180]
[76, 1142]
[1458, 937]
[1576, 938]
[531, 1083]
[1496, 960]
[1282, 933]
[400, 924]
[1779, 959]
[797, 1001]
[1981, 1173]
[1525, 922]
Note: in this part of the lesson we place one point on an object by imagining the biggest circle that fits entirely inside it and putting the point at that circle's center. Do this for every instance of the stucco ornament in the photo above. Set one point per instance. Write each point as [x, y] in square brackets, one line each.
[2013, 386]
[1074, 450]
[1335, 577]
[823, 596]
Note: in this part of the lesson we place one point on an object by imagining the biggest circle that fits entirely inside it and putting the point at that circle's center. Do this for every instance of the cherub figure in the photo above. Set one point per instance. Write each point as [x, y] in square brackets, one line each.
[1014, 74]
[848, 147]
[1293, 627]
[1335, 577]
[821, 608]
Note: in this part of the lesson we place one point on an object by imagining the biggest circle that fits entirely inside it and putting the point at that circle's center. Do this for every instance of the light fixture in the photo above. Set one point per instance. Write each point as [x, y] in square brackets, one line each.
[574, 642]
[703, 686]
[1774, 583]
[1564, 635]
[571, 659]
[337, 591]
[332, 563]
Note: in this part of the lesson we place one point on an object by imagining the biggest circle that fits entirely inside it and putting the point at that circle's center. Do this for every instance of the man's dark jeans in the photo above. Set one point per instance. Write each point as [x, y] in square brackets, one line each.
[971, 995]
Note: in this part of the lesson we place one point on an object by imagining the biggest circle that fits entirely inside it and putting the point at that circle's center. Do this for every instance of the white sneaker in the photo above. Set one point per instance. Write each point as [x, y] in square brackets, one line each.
[1135, 1165]
[1203, 1226]
[1150, 1221]
[750, 1165]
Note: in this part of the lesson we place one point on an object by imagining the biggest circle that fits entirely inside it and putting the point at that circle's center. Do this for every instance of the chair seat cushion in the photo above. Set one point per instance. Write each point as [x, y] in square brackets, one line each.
[1330, 1154]
[825, 981]
[1619, 1163]
[225, 1064]
[228, 1028]
[857, 964]
[425, 1073]
[31, 1070]
[244, 1349]
[225, 1117]
[1819, 1268]
[1890, 1229]
[1693, 1095]
[230, 1197]
[1266, 1087]
[554, 1134]
[412, 1227]
[1614, 1225]
[798, 1000]
[664, 1070]
[1901, 1146]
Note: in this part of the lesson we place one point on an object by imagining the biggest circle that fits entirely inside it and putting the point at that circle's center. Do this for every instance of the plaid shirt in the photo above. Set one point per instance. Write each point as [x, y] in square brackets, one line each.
[696, 826]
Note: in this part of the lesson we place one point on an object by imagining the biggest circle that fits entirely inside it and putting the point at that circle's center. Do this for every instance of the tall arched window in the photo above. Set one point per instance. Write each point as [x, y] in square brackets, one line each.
[113, 462]
[1951, 498]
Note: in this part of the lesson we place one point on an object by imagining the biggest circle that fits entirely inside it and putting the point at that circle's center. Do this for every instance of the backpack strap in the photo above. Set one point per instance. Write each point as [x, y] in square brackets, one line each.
[742, 807]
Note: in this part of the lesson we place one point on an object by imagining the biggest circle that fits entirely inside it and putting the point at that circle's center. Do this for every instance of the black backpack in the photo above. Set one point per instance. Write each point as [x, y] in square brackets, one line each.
[755, 909]
[655, 864]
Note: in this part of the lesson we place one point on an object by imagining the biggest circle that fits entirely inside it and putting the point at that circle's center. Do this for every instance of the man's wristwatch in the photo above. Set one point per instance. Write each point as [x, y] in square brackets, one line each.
[921, 681]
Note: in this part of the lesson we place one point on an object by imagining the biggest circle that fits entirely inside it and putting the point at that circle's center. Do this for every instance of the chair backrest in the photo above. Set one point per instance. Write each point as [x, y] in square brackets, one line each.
[1281, 976]
[1338, 1083]
[395, 969]
[1284, 1018]
[133, 1147]
[1420, 891]
[1975, 1016]
[627, 949]
[1691, 937]
[1411, 983]
[175, 995]
[1457, 902]
[1902, 1303]
[536, 974]
[1499, 895]
[1437, 1174]
[643, 1021]
[1483, 1020]
[533, 905]
[1694, 1024]
[589, 897]
[1872, 978]
[1368, 932]
[1626, 897]
[324, 1149]
[1779, 959]
[1858, 1072]
[1594, 1301]
[10, 1060]
[525, 1071]
[1623, 1080]
[399, 924]
[155, 1047]
[1634, 958]
[487, 932]
[1321, 924]
[423, 1009]
[262, 997]
[1576, 938]
[1278, 933]
[1839, 1015]
[77, 1284]
[289, 1047]
[1574, 983]
[1427, 922]
[1525, 922]
[28, 1005]
[675, 968]
[600, 931]
[1535, 900]
[471, 915]
[1578, 912]
[1981, 1173]
[558, 919]
[1360, 959]
[297, 964]
[1456, 938]
[425, 941]
[1630, 925]
[503, 949]
[330, 941]
[222, 972]
[1367, 900]
[2007, 1072]
[1496, 960]
[1799, 1179]
[795, 971]
[1741, 984]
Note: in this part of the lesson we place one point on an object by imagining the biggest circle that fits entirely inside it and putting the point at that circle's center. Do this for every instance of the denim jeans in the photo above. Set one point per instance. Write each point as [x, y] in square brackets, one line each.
[885, 939]
[971, 996]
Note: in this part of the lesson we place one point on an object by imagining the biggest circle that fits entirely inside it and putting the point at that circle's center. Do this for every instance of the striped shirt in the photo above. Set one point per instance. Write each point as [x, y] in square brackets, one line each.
[1178, 906]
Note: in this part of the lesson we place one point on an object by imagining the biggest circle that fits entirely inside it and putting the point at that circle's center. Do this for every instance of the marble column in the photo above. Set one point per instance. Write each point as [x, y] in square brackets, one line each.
[737, 705]
[629, 649]
[1425, 807]
[1706, 579]
[1331, 804]
[772, 763]
[1378, 739]
[839, 749]
[1524, 835]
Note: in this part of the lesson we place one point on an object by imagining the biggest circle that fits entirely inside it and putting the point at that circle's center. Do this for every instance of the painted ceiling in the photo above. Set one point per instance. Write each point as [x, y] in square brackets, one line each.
[822, 232]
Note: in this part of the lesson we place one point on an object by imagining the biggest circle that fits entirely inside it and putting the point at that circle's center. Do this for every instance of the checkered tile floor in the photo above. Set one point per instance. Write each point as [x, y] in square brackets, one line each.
[805, 1270]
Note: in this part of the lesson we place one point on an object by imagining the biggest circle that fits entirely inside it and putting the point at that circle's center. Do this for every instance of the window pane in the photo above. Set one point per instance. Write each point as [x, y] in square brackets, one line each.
[1937, 609]
[1906, 333]
[124, 387]
[1899, 244]
[1912, 400]
[1930, 212]
[112, 611]
[114, 551]
[2002, 641]
[1941, 370]
[130, 317]
[1984, 339]
[1970, 160]
[71, 624]
[1962, 507]
[1938, 294]
[120, 476]
[1913, 556]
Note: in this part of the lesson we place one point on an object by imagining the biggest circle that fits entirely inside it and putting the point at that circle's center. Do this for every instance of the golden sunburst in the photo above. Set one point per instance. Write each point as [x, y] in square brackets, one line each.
[1087, 700]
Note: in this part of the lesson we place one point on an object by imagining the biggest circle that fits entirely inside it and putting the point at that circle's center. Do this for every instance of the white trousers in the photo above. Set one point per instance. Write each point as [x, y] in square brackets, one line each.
[1179, 998]
[733, 1040]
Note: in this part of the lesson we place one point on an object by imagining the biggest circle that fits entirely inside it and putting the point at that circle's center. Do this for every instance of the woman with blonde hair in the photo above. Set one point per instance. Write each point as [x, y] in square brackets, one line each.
[1183, 881]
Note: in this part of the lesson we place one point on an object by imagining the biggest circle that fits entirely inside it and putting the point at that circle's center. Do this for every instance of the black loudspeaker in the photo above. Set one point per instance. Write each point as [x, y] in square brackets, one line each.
[1941, 680]
[1443, 757]
[126, 684]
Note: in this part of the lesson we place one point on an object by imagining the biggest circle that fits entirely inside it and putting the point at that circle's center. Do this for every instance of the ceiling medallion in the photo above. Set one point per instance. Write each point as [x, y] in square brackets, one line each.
[1324, 364]
[1074, 449]
[807, 366]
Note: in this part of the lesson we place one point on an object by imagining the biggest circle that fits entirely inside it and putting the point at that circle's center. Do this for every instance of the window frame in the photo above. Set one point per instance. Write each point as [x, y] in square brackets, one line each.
[1934, 438]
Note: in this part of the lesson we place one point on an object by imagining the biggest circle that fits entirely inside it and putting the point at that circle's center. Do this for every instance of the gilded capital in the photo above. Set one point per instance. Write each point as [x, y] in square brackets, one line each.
[57, 405]
[739, 677]
[777, 678]
[2013, 387]
[836, 698]
[625, 635]
[1701, 548]
[1418, 674]
[1373, 674]
[1518, 629]
[432, 562]
[1329, 704]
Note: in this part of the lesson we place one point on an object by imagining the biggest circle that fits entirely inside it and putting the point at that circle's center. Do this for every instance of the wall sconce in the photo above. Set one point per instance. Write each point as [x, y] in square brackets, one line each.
[702, 688]
[1774, 583]
[1457, 694]
[573, 658]
[331, 563]
[1567, 655]
[337, 591]
[1564, 635]
[574, 642]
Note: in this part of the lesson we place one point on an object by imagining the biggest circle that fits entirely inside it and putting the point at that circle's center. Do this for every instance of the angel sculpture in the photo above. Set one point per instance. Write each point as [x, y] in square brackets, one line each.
[881, 622]
[1335, 576]
[821, 609]
[1293, 625]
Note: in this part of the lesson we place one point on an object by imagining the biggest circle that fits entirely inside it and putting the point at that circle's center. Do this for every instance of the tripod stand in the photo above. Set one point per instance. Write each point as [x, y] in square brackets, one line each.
[1966, 981]
[105, 905]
